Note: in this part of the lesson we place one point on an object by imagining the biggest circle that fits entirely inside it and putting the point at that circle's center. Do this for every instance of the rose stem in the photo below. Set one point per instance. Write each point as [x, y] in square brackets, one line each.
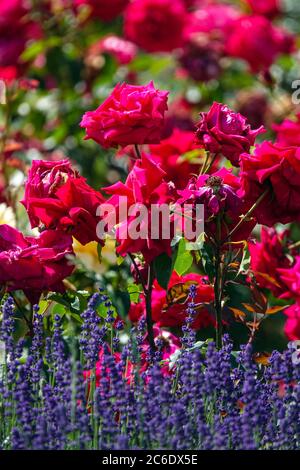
[137, 151]
[148, 296]
[250, 211]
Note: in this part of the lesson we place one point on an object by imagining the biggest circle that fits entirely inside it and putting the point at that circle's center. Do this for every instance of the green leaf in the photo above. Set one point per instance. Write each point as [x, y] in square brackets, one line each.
[184, 259]
[134, 291]
[37, 47]
[99, 252]
[163, 269]
[206, 253]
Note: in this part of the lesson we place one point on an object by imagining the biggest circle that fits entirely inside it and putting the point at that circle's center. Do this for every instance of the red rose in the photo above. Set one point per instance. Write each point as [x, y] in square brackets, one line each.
[130, 115]
[155, 25]
[292, 324]
[172, 155]
[15, 31]
[258, 42]
[146, 186]
[105, 10]
[221, 130]
[173, 312]
[34, 264]
[57, 197]
[269, 8]
[288, 132]
[219, 193]
[276, 169]
[291, 279]
[267, 256]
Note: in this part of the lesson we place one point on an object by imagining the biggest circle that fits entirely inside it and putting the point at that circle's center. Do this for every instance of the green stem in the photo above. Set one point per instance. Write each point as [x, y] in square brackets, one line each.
[148, 298]
[250, 211]
[218, 290]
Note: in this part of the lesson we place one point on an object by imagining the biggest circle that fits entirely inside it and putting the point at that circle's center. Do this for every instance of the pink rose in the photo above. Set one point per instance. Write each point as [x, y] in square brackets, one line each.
[130, 115]
[57, 197]
[34, 264]
[156, 25]
[291, 279]
[276, 169]
[292, 324]
[214, 20]
[257, 41]
[288, 132]
[123, 51]
[221, 130]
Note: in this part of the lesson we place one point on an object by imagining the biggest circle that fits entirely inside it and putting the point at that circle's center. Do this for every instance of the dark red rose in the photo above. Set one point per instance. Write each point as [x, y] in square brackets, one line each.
[34, 264]
[105, 10]
[57, 197]
[223, 131]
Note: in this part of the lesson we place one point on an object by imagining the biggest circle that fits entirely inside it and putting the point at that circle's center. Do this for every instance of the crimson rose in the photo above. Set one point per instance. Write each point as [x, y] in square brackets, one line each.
[34, 264]
[130, 115]
[57, 197]
[156, 25]
[221, 130]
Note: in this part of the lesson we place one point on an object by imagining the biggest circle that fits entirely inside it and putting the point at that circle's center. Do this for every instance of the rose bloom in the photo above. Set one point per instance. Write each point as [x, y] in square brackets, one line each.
[56, 196]
[34, 264]
[170, 155]
[291, 279]
[123, 51]
[15, 31]
[213, 20]
[267, 256]
[292, 324]
[173, 313]
[130, 115]
[276, 169]
[145, 185]
[223, 131]
[156, 25]
[219, 193]
[258, 42]
[288, 132]
[269, 8]
[105, 10]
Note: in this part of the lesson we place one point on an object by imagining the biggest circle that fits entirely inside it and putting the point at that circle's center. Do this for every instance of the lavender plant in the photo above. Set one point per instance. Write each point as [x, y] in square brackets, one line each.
[206, 399]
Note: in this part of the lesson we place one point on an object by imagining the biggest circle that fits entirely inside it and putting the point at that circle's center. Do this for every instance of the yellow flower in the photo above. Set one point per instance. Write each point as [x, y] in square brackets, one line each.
[88, 255]
[7, 215]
